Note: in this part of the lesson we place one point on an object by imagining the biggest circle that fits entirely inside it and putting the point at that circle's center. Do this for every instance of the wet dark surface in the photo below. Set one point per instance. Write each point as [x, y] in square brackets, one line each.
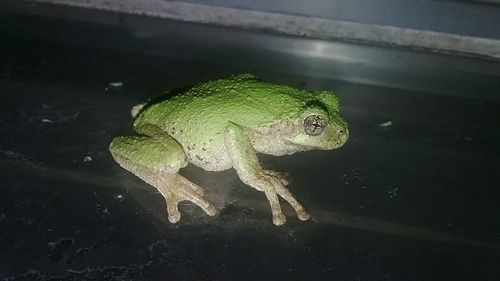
[413, 195]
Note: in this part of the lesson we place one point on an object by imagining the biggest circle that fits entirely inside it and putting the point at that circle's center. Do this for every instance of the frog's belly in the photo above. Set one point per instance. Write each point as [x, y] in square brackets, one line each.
[217, 160]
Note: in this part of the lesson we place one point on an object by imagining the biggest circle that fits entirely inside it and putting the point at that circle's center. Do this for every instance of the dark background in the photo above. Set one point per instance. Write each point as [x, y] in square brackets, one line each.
[416, 200]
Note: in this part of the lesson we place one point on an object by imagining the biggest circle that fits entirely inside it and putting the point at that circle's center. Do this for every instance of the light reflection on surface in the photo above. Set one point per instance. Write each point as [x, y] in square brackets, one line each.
[321, 216]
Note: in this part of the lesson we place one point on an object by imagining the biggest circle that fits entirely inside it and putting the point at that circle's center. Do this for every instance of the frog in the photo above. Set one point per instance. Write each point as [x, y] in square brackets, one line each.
[224, 124]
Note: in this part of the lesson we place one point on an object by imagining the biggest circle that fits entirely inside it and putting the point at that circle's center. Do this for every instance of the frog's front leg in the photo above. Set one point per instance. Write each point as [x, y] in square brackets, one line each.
[155, 157]
[247, 166]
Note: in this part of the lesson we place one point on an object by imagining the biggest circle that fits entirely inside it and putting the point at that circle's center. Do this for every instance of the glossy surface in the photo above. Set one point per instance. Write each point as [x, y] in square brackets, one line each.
[413, 195]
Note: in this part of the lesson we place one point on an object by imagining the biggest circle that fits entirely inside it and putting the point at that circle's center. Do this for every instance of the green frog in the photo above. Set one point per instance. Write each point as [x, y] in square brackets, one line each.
[223, 124]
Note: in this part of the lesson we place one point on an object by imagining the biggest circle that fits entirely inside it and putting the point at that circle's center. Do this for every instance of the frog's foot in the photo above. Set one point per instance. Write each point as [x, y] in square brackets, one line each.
[175, 188]
[271, 183]
[279, 186]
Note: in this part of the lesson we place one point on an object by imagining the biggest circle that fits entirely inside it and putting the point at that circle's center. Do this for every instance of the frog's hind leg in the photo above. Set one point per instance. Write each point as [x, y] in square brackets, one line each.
[175, 188]
[156, 158]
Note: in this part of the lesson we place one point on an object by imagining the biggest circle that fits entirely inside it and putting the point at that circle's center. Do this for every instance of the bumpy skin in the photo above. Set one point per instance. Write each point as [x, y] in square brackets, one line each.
[222, 124]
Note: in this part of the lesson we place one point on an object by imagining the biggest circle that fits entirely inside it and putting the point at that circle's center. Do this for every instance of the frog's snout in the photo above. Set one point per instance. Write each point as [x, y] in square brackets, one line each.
[342, 135]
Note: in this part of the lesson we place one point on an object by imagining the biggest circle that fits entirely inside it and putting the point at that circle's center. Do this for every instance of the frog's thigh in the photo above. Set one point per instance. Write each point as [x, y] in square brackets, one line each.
[156, 160]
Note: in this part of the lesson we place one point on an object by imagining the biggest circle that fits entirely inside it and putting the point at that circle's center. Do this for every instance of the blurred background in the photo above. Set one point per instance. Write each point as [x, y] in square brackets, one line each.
[413, 195]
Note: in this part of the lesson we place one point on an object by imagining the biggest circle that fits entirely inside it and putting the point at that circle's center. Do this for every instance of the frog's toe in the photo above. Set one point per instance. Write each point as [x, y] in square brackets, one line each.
[210, 210]
[202, 203]
[188, 185]
[172, 208]
[174, 217]
[196, 198]
[279, 219]
[303, 214]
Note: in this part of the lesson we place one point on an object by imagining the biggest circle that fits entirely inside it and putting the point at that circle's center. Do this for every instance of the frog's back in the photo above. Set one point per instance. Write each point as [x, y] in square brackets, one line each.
[209, 106]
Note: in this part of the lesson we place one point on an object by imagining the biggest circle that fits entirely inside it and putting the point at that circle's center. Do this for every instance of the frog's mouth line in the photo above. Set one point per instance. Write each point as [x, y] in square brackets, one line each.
[302, 147]
[299, 147]
[333, 144]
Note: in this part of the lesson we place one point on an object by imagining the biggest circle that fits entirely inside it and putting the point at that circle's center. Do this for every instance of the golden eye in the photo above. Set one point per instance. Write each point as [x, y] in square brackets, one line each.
[314, 125]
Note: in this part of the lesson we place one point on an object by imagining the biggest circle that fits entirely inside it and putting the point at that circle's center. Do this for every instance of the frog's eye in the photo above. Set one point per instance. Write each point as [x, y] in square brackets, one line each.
[314, 125]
